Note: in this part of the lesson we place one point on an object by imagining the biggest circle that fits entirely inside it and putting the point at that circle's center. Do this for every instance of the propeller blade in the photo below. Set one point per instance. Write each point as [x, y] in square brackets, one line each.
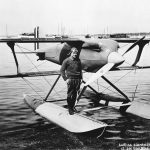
[134, 44]
[99, 73]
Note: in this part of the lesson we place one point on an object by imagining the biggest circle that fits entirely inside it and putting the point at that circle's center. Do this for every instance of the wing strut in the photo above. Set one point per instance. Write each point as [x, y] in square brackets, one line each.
[122, 108]
[116, 88]
[52, 87]
[141, 46]
[12, 45]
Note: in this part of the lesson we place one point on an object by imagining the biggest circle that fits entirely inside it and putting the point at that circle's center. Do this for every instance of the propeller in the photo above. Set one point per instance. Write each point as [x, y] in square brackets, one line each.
[94, 77]
[99, 73]
[134, 44]
[113, 59]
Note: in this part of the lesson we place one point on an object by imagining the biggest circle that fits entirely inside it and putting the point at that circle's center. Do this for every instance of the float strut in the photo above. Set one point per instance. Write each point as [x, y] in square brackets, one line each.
[84, 88]
[91, 87]
[116, 88]
[52, 87]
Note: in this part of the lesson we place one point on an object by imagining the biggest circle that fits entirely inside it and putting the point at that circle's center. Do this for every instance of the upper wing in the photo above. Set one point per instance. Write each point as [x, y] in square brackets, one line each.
[41, 40]
[130, 40]
[50, 40]
[77, 42]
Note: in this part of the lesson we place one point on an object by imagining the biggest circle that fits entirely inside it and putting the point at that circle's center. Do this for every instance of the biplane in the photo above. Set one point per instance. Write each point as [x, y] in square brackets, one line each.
[98, 56]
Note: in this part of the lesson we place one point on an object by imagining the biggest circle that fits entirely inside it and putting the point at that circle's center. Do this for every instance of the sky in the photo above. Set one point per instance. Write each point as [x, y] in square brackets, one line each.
[74, 16]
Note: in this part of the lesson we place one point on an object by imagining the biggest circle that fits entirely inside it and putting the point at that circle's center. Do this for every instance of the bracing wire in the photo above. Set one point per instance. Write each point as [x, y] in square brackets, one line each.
[127, 63]
[123, 45]
[23, 48]
[38, 71]
[32, 51]
[105, 87]
[29, 84]
[118, 80]
[134, 92]
[37, 66]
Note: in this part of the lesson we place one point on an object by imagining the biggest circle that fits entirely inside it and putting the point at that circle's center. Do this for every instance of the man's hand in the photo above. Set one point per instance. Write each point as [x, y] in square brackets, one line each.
[67, 81]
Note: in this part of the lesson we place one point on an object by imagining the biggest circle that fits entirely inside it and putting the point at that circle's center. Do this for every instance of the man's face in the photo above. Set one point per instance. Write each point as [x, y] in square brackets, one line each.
[74, 53]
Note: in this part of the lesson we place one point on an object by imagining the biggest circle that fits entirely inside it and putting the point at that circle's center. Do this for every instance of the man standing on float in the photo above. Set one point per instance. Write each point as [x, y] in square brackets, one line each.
[71, 71]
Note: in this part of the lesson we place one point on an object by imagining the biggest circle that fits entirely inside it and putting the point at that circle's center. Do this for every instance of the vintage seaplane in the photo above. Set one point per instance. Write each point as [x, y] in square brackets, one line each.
[97, 56]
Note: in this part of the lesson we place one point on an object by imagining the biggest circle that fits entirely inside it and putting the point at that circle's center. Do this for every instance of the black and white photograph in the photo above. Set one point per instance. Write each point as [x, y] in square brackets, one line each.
[74, 75]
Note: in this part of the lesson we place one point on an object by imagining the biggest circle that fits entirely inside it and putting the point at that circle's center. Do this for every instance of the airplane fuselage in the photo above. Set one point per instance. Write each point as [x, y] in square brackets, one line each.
[93, 53]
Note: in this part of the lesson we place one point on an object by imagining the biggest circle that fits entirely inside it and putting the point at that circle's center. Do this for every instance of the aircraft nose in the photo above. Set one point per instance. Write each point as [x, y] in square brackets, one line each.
[115, 58]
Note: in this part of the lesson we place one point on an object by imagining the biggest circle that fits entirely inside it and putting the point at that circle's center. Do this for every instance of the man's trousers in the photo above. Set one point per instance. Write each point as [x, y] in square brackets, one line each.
[73, 89]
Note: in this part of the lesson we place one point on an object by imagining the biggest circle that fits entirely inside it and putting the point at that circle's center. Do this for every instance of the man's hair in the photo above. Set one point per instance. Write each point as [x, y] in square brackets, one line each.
[74, 49]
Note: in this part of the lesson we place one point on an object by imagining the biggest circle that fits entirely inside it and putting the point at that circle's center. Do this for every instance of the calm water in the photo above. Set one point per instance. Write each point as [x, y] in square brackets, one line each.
[21, 125]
